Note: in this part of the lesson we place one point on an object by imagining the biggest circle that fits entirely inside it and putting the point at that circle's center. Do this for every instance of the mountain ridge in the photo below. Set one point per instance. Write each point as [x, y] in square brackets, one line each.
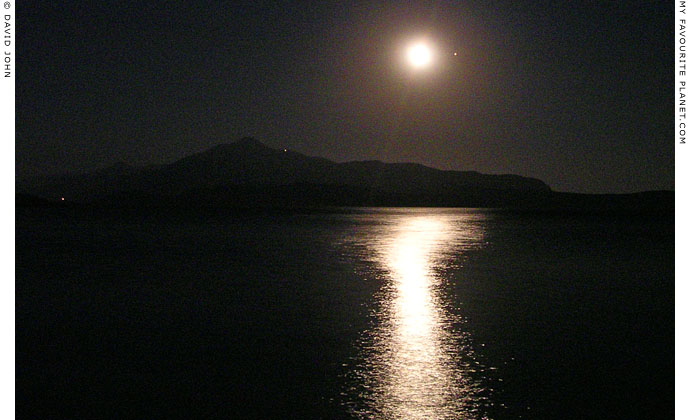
[247, 173]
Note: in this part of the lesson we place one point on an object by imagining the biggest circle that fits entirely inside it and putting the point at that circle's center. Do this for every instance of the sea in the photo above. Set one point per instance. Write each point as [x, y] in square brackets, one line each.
[345, 313]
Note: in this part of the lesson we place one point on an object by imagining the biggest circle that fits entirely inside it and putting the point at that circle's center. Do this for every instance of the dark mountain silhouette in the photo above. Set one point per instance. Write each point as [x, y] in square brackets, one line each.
[249, 174]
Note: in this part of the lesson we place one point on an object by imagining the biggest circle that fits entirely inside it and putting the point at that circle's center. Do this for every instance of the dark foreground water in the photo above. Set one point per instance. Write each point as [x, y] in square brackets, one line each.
[364, 313]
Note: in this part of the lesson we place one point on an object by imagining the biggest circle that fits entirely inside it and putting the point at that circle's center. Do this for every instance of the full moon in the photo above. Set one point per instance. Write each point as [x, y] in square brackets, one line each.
[419, 55]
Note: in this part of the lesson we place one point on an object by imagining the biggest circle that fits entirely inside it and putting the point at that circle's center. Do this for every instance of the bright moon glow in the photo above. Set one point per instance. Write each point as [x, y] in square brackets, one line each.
[419, 55]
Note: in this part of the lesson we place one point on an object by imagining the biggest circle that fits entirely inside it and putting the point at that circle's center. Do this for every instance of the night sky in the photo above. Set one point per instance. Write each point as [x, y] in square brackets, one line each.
[577, 94]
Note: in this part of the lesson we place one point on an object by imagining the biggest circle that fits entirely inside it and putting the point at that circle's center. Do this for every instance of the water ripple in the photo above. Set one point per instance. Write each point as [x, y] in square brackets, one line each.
[416, 362]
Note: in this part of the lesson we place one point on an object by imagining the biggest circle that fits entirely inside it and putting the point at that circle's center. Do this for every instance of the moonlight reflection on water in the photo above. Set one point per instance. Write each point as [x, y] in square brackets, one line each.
[416, 362]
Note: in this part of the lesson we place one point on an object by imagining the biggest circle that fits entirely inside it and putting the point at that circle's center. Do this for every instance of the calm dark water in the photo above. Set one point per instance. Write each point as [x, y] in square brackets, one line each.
[364, 313]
